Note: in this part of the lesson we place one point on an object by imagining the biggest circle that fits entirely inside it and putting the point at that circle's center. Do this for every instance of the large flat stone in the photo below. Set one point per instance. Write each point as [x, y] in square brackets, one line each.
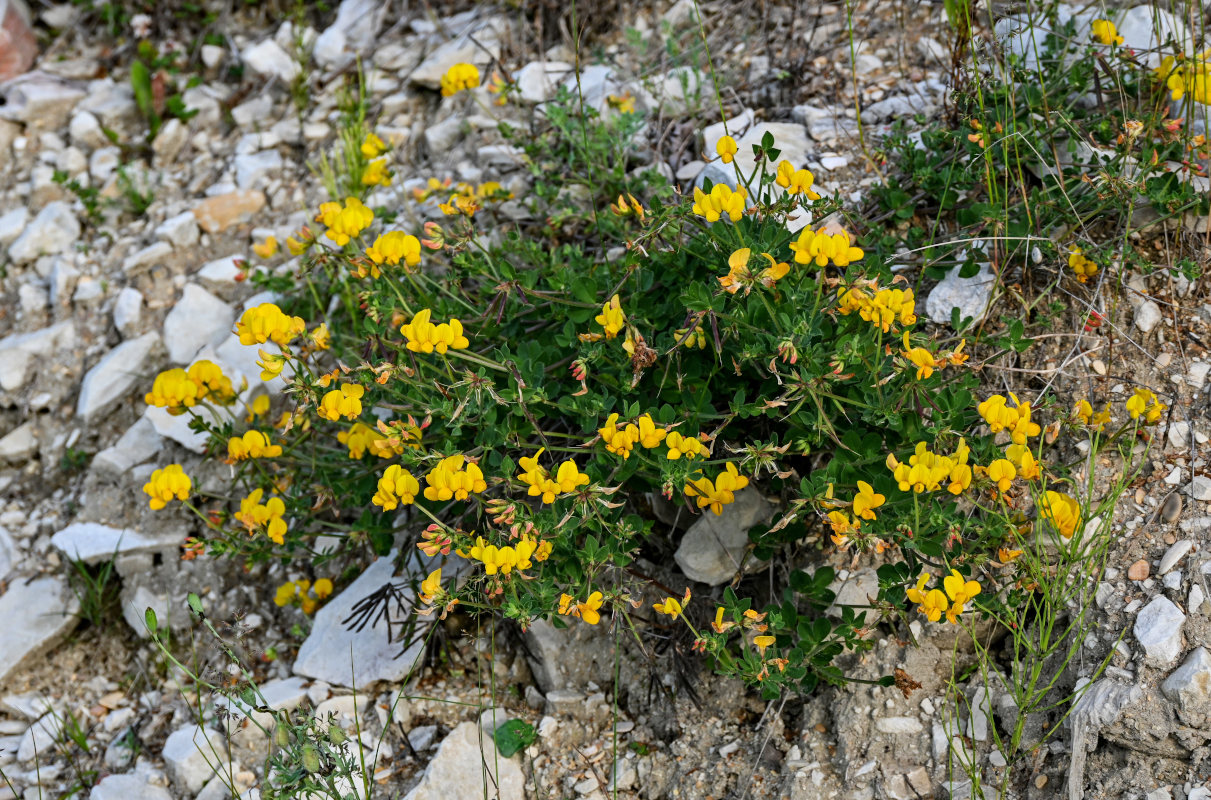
[37, 616]
[92, 542]
[109, 382]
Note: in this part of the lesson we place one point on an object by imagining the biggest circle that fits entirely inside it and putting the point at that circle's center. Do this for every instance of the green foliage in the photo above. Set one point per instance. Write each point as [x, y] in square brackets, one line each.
[513, 737]
[97, 588]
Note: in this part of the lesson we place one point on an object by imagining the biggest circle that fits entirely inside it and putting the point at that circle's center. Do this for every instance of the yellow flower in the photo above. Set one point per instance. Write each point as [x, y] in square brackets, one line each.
[322, 588]
[726, 148]
[254, 514]
[883, 309]
[375, 174]
[762, 642]
[459, 77]
[343, 402]
[266, 249]
[321, 337]
[425, 337]
[611, 317]
[1083, 411]
[172, 389]
[821, 247]
[271, 364]
[1002, 472]
[623, 103]
[285, 594]
[502, 559]
[167, 484]
[1144, 403]
[1105, 31]
[1000, 416]
[649, 435]
[589, 609]
[395, 487]
[796, 181]
[619, 441]
[921, 358]
[1006, 554]
[1024, 460]
[1081, 266]
[924, 471]
[253, 444]
[720, 493]
[358, 438]
[671, 606]
[958, 590]
[719, 626]
[454, 478]
[722, 201]
[867, 500]
[935, 605]
[258, 408]
[345, 223]
[1062, 511]
[431, 585]
[373, 147]
[917, 593]
[393, 247]
[567, 478]
[687, 446]
[267, 322]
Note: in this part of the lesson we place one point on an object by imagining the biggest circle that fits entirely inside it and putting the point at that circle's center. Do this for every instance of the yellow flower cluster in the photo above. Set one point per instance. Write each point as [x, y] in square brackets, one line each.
[1081, 266]
[587, 611]
[1105, 31]
[567, 478]
[1188, 76]
[926, 470]
[611, 319]
[425, 337]
[506, 559]
[179, 389]
[361, 437]
[722, 201]
[864, 504]
[373, 146]
[454, 478]
[268, 515]
[883, 309]
[934, 603]
[1062, 511]
[689, 447]
[343, 402]
[621, 441]
[167, 484]
[393, 247]
[253, 444]
[796, 181]
[376, 174]
[344, 223]
[268, 323]
[1143, 403]
[304, 593]
[396, 487]
[459, 77]
[266, 249]
[740, 276]
[720, 493]
[821, 247]
[1000, 416]
[1098, 421]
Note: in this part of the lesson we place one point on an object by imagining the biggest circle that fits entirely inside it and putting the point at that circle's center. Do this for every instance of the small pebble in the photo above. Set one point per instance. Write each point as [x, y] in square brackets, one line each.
[1171, 509]
[1139, 570]
[1099, 366]
[1040, 782]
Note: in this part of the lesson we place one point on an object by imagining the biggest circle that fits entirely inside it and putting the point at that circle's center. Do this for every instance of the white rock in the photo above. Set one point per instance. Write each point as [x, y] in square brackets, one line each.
[37, 616]
[464, 761]
[113, 103]
[180, 231]
[39, 99]
[1200, 488]
[19, 445]
[39, 739]
[897, 107]
[53, 231]
[898, 725]
[1174, 554]
[1196, 598]
[325, 653]
[1147, 316]
[109, 382]
[198, 319]
[1147, 28]
[128, 310]
[1159, 631]
[458, 50]
[222, 272]
[970, 295]
[191, 755]
[85, 131]
[148, 256]
[14, 368]
[442, 136]
[1179, 435]
[251, 170]
[352, 33]
[138, 444]
[128, 787]
[538, 81]
[790, 138]
[103, 163]
[281, 694]
[212, 55]
[269, 60]
[12, 223]
[92, 542]
[8, 554]
[712, 550]
[1190, 684]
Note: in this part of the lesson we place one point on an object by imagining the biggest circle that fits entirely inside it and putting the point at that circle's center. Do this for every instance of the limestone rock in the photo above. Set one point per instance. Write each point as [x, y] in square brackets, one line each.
[128, 787]
[138, 444]
[128, 311]
[1147, 316]
[970, 295]
[352, 33]
[12, 223]
[111, 380]
[191, 755]
[1159, 631]
[568, 658]
[458, 769]
[19, 445]
[198, 319]
[269, 60]
[180, 231]
[38, 615]
[92, 542]
[40, 100]
[1189, 687]
[53, 231]
[218, 213]
[714, 546]
[538, 81]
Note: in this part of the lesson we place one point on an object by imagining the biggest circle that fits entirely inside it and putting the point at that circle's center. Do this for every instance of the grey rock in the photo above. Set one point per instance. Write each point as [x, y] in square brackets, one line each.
[269, 60]
[1200, 488]
[38, 615]
[170, 141]
[280, 694]
[14, 368]
[459, 50]
[1159, 631]
[85, 131]
[442, 136]
[128, 787]
[128, 311]
[859, 589]
[1098, 706]
[103, 163]
[198, 319]
[222, 272]
[1189, 687]
[148, 256]
[113, 103]
[568, 658]
[109, 382]
[92, 542]
[39, 100]
[12, 223]
[1147, 316]
[897, 107]
[177, 428]
[714, 547]
[251, 170]
[352, 33]
[53, 231]
[180, 231]
[43, 343]
[39, 739]
[19, 445]
[326, 653]
[1179, 435]
[212, 55]
[1176, 552]
[137, 445]
[8, 554]
[970, 295]
[464, 761]
[899, 725]
[538, 81]
[191, 755]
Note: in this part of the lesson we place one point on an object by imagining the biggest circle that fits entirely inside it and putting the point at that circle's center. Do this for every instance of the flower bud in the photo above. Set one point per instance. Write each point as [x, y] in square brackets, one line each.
[311, 758]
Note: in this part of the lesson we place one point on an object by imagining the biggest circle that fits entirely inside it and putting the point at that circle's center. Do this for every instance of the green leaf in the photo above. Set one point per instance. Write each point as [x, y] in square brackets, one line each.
[195, 604]
[513, 737]
[149, 619]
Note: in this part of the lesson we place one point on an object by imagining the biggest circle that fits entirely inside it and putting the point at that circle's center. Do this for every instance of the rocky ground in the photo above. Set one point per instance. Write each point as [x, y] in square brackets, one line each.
[95, 304]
